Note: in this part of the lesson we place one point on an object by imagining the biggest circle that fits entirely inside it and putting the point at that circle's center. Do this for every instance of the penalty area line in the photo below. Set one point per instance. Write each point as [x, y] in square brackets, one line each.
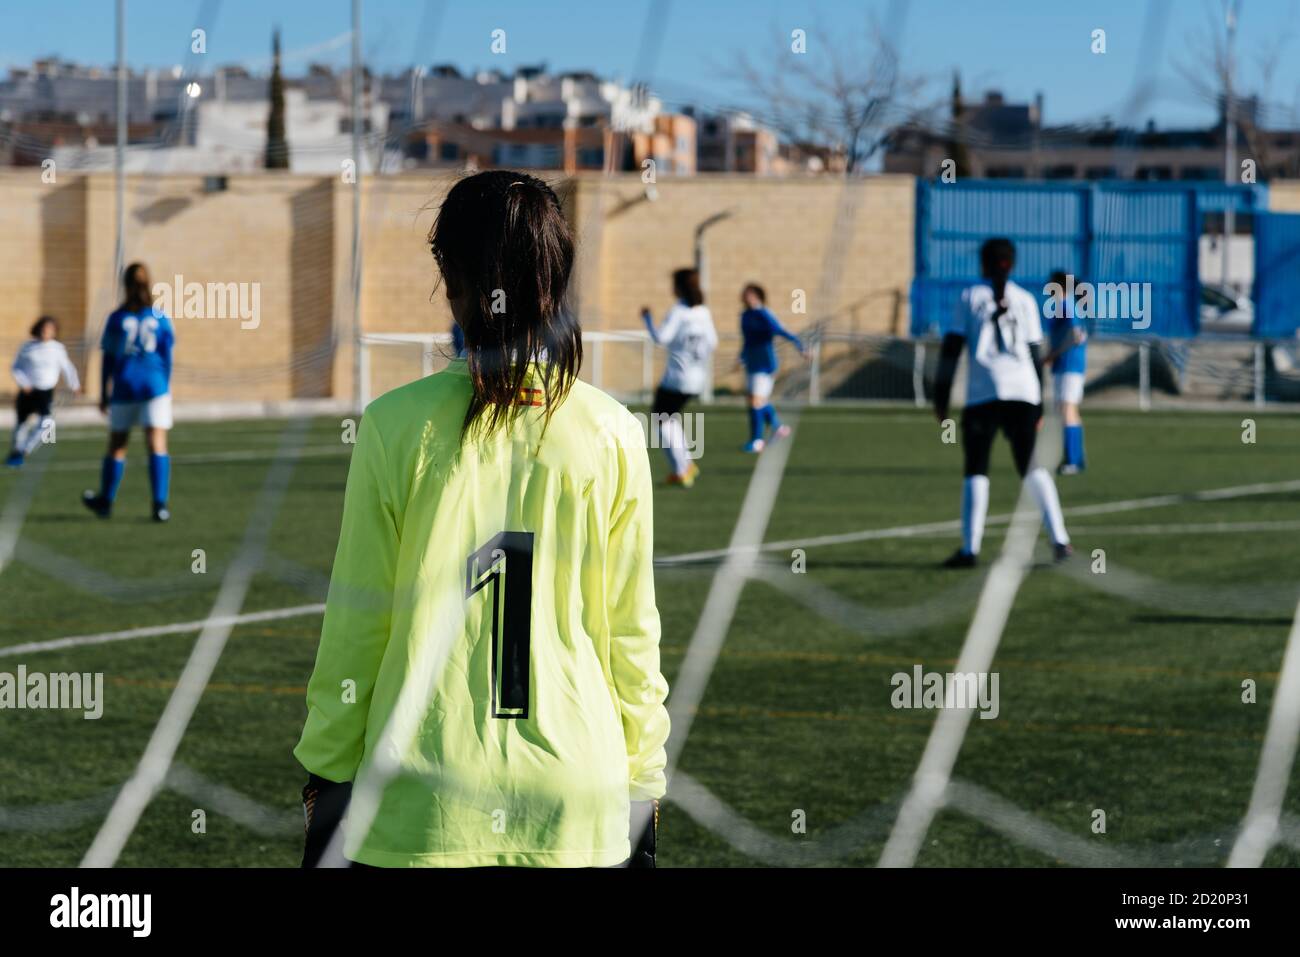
[930, 528]
[152, 631]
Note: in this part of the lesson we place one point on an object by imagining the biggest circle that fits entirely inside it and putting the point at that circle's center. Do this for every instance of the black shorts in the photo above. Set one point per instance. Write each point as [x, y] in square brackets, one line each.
[980, 424]
[669, 402]
[37, 402]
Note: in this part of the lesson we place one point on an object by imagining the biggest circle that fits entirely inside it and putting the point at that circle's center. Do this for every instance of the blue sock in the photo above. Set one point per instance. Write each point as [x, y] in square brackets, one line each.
[774, 421]
[110, 477]
[1074, 445]
[755, 424]
[160, 474]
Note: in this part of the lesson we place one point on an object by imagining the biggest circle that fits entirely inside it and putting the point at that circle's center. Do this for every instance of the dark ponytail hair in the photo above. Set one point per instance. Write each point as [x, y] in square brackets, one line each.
[501, 240]
[686, 286]
[136, 288]
[997, 257]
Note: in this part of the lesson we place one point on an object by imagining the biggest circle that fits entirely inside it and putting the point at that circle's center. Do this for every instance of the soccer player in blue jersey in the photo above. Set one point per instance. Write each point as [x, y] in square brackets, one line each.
[1069, 358]
[135, 389]
[758, 328]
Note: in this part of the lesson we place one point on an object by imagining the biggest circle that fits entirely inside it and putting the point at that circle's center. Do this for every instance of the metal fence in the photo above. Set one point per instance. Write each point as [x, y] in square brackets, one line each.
[1117, 234]
[848, 367]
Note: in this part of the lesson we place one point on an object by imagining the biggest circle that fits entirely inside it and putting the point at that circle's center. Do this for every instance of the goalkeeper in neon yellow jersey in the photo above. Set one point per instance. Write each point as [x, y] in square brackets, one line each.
[494, 571]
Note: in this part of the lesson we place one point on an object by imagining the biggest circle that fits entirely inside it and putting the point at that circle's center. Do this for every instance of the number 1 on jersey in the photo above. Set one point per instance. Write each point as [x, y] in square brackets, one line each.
[506, 564]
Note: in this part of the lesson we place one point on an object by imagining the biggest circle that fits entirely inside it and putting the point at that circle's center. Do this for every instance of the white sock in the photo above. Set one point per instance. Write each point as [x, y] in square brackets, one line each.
[679, 447]
[974, 509]
[670, 437]
[34, 435]
[21, 433]
[1044, 490]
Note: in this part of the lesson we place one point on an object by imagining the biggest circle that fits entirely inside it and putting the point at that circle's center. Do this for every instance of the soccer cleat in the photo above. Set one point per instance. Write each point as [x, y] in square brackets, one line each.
[324, 803]
[643, 847]
[160, 513]
[15, 460]
[97, 503]
[961, 559]
[782, 432]
[1062, 552]
[755, 445]
[692, 471]
[1066, 468]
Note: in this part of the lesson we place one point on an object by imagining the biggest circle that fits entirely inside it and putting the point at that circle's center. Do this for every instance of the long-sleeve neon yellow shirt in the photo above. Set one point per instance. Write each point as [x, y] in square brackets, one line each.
[527, 559]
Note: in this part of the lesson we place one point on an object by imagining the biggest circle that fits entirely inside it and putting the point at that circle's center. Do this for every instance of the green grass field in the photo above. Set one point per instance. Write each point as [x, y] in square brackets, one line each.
[1120, 691]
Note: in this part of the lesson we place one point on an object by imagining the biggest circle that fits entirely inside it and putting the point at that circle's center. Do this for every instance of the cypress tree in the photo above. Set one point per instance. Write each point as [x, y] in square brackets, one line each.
[277, 147]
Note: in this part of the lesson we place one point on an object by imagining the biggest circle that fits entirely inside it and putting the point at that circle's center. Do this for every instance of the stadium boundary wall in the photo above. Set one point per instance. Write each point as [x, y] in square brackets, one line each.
[288, 237]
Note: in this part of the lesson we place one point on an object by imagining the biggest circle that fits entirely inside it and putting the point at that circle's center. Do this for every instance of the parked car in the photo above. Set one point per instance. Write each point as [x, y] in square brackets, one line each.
[1226, 311]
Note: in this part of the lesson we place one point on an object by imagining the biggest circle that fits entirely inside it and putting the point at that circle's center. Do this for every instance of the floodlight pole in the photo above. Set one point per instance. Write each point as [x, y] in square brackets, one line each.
[702, 270]
[1230, 175]
[357, 353]
[119, 151]
[701, 253]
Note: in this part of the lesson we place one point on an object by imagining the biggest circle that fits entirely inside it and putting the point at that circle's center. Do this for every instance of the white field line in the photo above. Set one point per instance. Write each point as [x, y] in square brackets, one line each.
[868, 534]
[178, 628]
[720, 604]
[930, 782]
[15, 509]
[1260, 830]
[724, 594]
[1156, 529]
[1187, 528]
[929, 528]
[151, 773]
[208, 458]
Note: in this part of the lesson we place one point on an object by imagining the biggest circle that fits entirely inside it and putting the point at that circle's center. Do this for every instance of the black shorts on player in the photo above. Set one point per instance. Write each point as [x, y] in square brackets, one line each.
[669, 402]
[34, 402]
[981, 423]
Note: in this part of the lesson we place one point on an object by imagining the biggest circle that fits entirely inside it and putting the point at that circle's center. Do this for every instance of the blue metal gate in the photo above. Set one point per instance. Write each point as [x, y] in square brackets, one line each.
[1277, 275]
[1137, 243]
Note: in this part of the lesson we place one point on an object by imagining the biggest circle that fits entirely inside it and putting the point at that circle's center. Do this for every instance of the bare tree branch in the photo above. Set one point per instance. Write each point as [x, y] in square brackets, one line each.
[843, 93]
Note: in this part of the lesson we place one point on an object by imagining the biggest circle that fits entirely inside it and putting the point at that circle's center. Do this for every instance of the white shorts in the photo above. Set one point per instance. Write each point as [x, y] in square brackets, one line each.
[155, 413]
[1068, 387]
[759, 384]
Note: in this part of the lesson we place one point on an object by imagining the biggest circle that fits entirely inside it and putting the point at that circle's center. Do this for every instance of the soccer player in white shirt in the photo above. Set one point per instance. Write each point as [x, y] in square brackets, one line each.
[998, 323]
[39, 364]
[688, 335]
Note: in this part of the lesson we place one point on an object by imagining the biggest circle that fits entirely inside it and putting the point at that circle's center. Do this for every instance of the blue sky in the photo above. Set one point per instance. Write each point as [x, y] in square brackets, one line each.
[1018, 46]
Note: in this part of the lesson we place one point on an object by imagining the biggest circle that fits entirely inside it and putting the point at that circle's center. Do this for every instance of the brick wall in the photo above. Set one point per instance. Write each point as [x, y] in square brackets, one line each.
[845, 247]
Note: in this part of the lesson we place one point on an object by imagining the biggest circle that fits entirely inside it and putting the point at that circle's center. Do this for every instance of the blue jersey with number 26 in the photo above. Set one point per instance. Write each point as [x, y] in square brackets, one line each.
[1061, 314]
[138, 354]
